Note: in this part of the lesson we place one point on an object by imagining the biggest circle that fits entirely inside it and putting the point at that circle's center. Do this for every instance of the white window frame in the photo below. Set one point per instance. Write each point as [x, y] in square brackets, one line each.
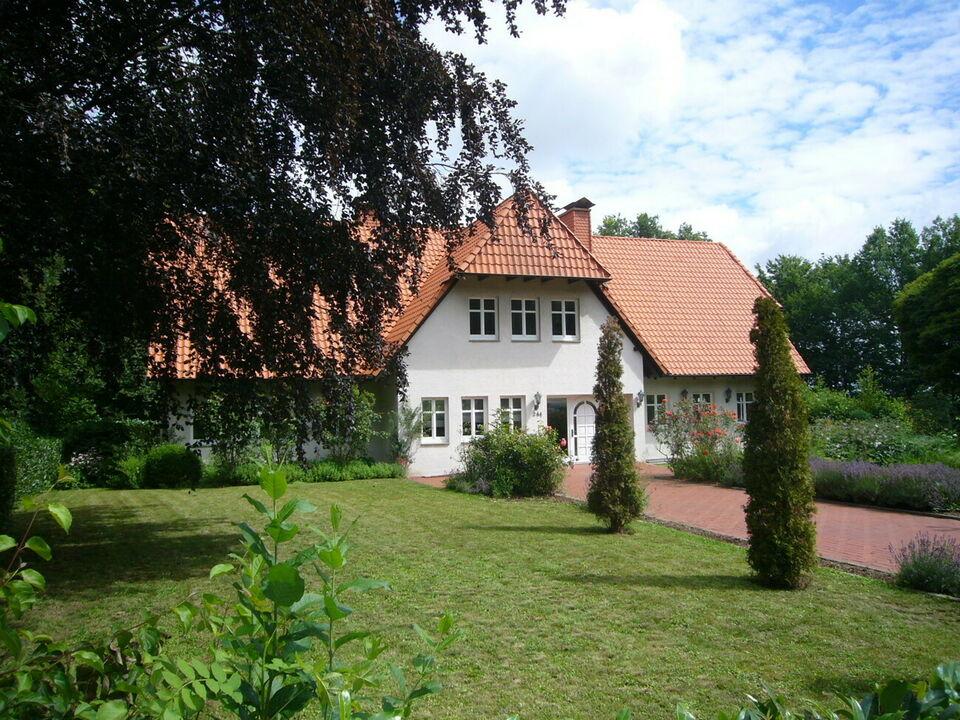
[515, 411]
[433, 438]
[472, 413]
[524, 312]
[482, 311]
[563, 313]
[743, 406]
[656, 402]
[702, 399]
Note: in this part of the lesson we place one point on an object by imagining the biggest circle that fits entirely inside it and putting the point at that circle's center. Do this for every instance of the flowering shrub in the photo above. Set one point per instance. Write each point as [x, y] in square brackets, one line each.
[701, 443]
[930, 563]
[506, 462]
[914, 487]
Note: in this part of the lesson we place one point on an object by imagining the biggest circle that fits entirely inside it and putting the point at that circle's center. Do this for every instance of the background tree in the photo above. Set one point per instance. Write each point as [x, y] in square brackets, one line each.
[840, 308]
[928, 313]
[775, 462]
[615, 495]
[647, 226]
[133, 135]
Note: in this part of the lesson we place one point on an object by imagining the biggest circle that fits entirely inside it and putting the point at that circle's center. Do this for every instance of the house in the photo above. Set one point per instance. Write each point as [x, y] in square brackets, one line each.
[512, 325]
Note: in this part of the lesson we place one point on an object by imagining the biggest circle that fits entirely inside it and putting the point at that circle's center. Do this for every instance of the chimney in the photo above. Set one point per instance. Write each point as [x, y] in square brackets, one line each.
[576, 216]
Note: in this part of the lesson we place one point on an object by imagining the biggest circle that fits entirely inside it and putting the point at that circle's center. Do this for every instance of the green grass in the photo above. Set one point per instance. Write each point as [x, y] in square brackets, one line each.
[560, 620]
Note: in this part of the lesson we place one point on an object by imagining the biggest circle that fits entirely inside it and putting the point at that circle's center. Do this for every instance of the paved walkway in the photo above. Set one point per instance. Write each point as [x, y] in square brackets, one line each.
[849, 534]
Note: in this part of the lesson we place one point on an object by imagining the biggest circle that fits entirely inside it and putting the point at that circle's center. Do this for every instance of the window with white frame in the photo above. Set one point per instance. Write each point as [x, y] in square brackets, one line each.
[483, 318]
[702, 400]
[474, 416]
[523, 319]
[744, 401]
[564, 320]
[511, 408]
[433, 414]
[656, 404]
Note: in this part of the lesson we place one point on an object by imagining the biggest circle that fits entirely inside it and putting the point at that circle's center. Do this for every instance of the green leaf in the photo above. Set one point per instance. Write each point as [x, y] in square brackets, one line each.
[7, 542]
[260, 507]
[283, 585]
[363, 585]
[336, 514]
[273, 482]
[34, 578]
[186, 612]
[624, 715]
[62, 515]
[293, 506]
[40, 547]
[85, 657]
[112, 710]
[333, 609]
[220, 569]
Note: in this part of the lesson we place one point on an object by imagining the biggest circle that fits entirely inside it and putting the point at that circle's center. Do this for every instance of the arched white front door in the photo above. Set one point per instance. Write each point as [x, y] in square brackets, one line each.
[584, 428]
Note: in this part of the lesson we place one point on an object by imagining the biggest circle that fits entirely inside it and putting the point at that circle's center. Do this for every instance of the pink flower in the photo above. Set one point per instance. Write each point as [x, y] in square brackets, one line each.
[563, 442]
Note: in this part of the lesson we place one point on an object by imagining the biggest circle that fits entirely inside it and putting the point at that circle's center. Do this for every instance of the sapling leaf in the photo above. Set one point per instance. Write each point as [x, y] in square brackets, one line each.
[7, 542]
[283, 585]
[186, 612]
[34, 578]
[295, 505]
[333, 609]
[363, 585]
[273, 482]
[39, 546]
[62, 515]
[112, 710]
[336, 514]
[260, 507]
[220, 569]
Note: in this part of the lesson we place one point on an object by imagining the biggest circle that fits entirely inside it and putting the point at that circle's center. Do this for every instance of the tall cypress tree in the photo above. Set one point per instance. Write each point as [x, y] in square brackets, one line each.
[775, 462]
[615, 495]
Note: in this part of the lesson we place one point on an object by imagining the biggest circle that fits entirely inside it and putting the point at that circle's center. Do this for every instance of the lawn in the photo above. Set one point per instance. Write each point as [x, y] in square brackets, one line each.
[560, 620]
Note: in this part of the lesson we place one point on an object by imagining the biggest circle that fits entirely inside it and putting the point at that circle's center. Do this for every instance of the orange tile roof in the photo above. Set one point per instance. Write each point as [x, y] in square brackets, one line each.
[689, 303]
[509, 250]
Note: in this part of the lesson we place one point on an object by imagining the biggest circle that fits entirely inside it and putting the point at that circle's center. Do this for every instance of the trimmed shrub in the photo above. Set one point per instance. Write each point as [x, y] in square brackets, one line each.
[172, 466]
[8, 483]
[615, 495]
[930, 563]
[776, 468]
[505, 462]
[38, 460]
[913, 487]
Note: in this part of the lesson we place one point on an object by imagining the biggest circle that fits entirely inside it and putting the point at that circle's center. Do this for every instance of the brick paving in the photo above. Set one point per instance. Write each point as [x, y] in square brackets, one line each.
[845, 533]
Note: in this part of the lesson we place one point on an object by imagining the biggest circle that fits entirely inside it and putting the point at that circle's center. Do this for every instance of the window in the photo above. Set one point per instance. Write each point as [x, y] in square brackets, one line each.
[474, 412]
[511, 408]
[744, 401]
[523, 319]
[483, 318]
[563, 319]
[656, 404]
[433, 412]
[702, 400]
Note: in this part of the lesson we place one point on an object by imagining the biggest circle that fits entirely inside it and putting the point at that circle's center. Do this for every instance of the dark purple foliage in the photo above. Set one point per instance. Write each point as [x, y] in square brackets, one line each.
[930, 563]
[916, 487]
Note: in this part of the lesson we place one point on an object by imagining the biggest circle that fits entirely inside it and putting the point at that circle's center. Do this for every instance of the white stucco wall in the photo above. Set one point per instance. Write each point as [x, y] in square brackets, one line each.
[444, 363]
[672, 387]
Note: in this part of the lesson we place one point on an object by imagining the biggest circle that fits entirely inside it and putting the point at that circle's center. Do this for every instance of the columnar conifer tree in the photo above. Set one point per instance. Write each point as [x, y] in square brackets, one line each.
[615, 495]
[775, 464]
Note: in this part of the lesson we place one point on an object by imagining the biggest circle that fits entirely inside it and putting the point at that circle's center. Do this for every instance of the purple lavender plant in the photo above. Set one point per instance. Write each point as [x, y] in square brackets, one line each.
[930, 563]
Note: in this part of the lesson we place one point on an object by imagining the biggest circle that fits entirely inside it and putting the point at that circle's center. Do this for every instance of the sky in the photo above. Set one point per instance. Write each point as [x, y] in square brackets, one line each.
[776, 127]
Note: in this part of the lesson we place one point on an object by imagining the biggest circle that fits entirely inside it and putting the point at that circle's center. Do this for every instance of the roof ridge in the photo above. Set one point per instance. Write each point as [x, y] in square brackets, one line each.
[746, 270]
[663, 240]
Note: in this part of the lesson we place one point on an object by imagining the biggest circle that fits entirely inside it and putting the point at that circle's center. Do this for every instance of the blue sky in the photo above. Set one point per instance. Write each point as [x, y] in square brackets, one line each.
[777, 127]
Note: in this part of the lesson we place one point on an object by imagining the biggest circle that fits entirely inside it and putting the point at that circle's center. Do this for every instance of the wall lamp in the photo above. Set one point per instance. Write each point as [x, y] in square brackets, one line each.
[728, 394]
[640, 398]
[683, 393]
[537, 398]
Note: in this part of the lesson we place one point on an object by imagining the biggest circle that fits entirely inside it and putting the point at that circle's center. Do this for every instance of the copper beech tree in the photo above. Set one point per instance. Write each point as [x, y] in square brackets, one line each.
[134, 134]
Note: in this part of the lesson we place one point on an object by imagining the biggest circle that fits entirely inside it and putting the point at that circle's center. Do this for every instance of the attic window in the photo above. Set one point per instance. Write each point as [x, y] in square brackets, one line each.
[483, 318]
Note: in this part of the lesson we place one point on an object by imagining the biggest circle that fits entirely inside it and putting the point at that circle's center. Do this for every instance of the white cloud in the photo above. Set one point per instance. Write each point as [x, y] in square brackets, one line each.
[775, 126]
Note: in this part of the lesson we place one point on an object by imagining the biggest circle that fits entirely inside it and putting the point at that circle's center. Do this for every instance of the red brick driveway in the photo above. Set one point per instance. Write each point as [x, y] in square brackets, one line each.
[848, 534]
